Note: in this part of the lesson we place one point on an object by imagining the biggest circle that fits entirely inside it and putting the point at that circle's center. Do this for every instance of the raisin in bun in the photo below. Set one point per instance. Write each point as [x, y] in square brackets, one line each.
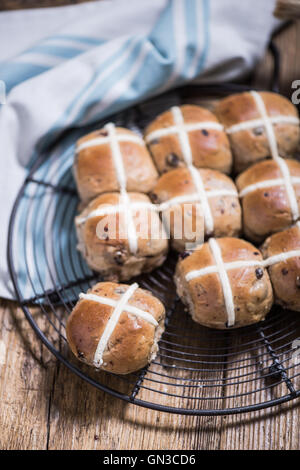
[241, 114]
[189, 206]
[270, 201]
[200, 141]
[96, 170]
[116, 327]
[121, 238]
[282, 251]
[224, 285]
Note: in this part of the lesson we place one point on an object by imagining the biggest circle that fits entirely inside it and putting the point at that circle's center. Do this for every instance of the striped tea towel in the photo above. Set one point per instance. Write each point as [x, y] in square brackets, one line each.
[68, 67]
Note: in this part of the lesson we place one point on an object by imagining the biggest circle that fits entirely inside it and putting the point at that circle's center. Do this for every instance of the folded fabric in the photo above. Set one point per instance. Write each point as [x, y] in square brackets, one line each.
[70, 66]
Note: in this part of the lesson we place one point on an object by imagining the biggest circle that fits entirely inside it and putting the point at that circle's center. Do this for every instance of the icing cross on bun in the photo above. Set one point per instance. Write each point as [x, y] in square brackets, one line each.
[270, 197]
[218, 204]
[116, 327]
[110, 158]
[224, 284]
[256, 123]
[188, 135]
[282, 254]
[121, 235]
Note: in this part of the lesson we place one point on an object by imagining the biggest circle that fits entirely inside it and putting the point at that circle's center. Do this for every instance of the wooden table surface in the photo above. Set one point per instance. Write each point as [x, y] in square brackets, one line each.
[44, 406]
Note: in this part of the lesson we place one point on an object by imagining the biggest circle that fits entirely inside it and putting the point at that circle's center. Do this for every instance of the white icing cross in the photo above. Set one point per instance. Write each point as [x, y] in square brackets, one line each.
[127, 209]
[226, 287]
[119, 208]
[188, 158]
[113, 139]
[106, 210]
[119, 306]
[221, 269]
[287, 180]
[172, 130]
[196, 198]
[267, 184]
[253, 123]
[97, 141]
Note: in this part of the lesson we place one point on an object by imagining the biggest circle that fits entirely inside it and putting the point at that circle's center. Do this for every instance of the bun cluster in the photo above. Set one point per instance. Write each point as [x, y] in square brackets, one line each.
[185, 158]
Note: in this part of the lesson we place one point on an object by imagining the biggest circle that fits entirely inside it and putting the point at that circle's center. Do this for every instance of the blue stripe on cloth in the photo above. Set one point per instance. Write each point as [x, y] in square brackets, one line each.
[13, 73]
[140, 67]
[192, 29]
[206, 26]
[79, 38]
[28, 276]
[147, 82]
[56, 50]
[47, 263]
[17, 71]
[164, 37]
[80, 103]
[106, 94]
[164, 53]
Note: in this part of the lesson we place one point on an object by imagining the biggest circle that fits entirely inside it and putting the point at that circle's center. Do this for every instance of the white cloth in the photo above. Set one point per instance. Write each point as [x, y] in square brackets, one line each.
[68, 66]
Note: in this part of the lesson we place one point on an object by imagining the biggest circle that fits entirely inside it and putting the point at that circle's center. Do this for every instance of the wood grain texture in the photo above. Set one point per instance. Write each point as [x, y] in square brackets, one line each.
[44, 406]
[287, 9]
[17, 4]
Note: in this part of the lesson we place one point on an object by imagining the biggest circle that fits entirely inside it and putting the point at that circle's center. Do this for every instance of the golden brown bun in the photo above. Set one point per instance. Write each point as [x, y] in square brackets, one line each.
[251, 287]
[250, 146]
[95, 173]
[266, 211]
[133, 343]
[210, 148]
[109, 253]
[226, 210]
[285, 276]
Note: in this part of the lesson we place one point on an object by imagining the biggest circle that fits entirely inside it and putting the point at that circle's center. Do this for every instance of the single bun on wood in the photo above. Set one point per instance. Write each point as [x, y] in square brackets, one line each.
[188, 135]
[101, 158]
[224, 285]
[121, 236]
[194, 201]
[116, 327]
[270, 198]
[244, 118]
[282, 251]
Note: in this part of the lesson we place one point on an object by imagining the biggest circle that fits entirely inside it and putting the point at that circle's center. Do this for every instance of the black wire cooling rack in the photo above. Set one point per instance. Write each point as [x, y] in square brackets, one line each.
[198, 371]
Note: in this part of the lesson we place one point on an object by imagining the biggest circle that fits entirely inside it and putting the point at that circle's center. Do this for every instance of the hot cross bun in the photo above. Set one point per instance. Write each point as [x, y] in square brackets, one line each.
[244, 118]
[224, 284]
[282, 250]
[197, 203]
[116, 327]
[98, 160]
[270, 197]
[121, 235]
[186, 135]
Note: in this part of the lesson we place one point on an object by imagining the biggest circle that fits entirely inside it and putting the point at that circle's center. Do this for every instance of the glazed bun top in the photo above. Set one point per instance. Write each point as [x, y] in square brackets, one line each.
[225, 284]
[110, 158]
[282, 253]
[108, 222]
[250, 117]
[217, 197]
[270, 197]
[242, 108]
[186, 135]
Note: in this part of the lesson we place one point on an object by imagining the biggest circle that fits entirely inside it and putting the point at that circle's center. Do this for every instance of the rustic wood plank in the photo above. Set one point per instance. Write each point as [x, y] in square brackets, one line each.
[287, 42]
[17, 4]
[287, 9]
[26, 376]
